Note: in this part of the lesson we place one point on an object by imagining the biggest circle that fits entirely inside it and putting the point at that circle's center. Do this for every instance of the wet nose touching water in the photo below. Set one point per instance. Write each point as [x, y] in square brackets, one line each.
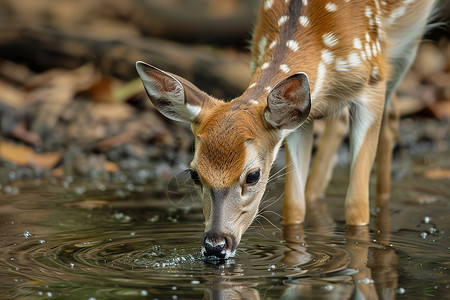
[94, 240]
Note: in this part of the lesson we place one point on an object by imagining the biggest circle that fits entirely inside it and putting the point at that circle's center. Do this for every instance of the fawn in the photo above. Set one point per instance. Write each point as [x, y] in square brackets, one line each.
[310, 59]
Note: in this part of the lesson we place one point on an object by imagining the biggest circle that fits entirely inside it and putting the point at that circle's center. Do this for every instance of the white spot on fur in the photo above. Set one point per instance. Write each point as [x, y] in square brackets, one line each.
[285, 68]
[374, 50]
[327, 56]
[268, 88]
[331, 7]
[368, 52]
[330, 39]
[378, 20]
[341, 65]
[354, 60]
[363, 55]
[265, 65]
[378, 45]
[268, 4]
[396, 13]
[273, 44]
[367, 37]
[374, 72]
[321, 71]
[252, 85]
[377, 5]
[282, 20]
[254, 102]
[357, 44]
[304, 21]
[293, 45]
[368, 12]
[305, 2]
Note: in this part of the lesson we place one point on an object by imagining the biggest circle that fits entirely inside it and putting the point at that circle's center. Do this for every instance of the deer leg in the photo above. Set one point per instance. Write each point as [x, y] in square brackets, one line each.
[323, 165]
[298, 154]
[367, 113]
[388, 133]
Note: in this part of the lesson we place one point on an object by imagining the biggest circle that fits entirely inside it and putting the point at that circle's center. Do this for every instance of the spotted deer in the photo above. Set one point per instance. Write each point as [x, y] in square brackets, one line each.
[310, 59]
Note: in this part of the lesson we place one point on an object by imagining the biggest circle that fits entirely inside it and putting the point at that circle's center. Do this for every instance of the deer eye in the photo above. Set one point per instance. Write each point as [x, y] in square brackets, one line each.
[195, 177]
[253, 177]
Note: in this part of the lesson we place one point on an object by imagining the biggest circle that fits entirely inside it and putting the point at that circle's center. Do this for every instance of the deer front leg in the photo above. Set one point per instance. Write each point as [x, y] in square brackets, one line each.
[322, 168]
[388, 133]
[298, 155]
[366, 118]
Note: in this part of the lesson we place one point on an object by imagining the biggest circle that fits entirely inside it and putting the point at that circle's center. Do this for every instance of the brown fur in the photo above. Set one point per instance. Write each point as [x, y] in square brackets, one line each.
[222, 138]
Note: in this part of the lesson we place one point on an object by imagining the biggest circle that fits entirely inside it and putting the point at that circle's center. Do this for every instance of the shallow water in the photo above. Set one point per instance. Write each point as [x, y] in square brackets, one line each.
[91, 240]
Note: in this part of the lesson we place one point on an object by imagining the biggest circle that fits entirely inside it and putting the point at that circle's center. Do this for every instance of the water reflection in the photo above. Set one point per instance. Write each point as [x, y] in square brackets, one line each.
[367, 267]
[106, 246]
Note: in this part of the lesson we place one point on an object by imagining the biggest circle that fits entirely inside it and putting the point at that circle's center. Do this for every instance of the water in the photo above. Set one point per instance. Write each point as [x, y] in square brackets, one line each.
[92, 240]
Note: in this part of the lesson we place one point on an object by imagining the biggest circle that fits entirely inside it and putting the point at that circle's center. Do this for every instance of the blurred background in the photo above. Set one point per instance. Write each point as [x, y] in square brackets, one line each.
[71, 103]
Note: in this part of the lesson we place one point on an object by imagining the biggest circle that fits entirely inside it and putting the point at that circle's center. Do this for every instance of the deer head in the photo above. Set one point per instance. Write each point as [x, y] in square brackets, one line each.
[236, 143]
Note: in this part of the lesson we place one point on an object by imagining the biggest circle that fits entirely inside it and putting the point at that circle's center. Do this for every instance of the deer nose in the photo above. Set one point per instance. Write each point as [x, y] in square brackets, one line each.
[215, 244]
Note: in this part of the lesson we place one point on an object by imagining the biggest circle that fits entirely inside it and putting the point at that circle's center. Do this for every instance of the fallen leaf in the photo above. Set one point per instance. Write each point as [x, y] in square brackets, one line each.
[25, 156]
[111, 167]
[440, 109]
[58, 172]
[437, 173]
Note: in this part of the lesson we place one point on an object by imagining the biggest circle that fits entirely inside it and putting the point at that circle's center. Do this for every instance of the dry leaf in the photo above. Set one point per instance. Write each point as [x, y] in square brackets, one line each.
[437, 173]
[111, 167]
[25, 156]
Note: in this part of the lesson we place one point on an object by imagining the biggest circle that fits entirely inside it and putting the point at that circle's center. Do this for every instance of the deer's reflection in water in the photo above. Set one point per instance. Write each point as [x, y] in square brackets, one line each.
[364, 268]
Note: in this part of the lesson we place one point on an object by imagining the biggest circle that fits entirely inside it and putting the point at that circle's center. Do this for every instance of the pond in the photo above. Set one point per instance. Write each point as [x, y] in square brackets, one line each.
[65, 239]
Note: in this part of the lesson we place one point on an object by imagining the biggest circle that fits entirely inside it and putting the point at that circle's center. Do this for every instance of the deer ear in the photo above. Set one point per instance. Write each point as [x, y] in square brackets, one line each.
[289, 102]
[174, 97]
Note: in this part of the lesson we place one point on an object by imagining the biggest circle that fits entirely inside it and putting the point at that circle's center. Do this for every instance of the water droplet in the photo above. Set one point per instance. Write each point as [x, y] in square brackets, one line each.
[365, 280]
[92, 298]
[80, 190]
[130, 186]
[143, 293]
[424, 235]
[27, 234]
[174, 288]
[72, 265]
[329, 287]
[11, 190]
[49, 294]
[154, 219]
[195, 282]
[41, 241]
[40, 293]
[174, 297]
[133, 233]
[401, 291]
[427, 220]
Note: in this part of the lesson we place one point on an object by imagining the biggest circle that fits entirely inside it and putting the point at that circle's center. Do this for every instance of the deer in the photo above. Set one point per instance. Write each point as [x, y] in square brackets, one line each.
[310, 59]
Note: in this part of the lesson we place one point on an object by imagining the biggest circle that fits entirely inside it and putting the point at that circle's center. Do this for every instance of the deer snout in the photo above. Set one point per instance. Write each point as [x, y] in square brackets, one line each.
[217, 245]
